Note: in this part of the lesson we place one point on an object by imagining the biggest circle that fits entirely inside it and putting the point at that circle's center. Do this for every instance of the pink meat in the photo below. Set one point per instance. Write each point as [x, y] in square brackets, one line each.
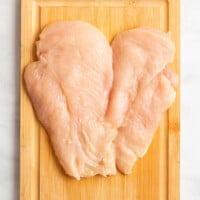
[143, 89]
[69, 88]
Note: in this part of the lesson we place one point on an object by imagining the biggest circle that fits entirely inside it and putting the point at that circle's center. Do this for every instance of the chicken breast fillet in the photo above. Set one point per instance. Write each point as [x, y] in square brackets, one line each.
[69, 87]
[143, 89]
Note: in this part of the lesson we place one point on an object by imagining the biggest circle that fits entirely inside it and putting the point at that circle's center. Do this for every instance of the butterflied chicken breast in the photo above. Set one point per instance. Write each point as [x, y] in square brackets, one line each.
[69, 88]
[100, 105]
[143, 89]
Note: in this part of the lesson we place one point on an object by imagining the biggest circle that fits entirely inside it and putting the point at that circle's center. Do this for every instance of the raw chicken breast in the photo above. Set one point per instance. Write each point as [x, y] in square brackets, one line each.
[69, 88]
[142, 90]
[138, 56]
[91, 126]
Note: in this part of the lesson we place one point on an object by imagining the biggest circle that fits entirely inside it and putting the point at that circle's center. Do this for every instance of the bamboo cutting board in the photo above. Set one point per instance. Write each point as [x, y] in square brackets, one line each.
[154, 177]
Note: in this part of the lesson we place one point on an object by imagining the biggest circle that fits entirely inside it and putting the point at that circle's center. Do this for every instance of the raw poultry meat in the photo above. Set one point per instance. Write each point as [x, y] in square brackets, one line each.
[96, 121]
[69, 88]
[142, 91]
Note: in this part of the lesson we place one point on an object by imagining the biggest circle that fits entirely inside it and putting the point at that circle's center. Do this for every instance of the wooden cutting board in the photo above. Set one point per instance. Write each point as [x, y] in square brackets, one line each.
[154, 177]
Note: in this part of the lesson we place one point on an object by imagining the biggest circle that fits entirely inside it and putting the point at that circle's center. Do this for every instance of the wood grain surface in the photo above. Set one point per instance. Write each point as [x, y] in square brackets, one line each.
[156, 175]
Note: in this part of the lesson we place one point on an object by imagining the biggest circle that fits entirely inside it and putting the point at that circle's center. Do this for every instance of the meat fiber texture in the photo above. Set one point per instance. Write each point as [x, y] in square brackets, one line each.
[99, 103]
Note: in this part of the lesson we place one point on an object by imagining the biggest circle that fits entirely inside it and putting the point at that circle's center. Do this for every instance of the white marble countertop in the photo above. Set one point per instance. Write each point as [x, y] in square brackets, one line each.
[9, 100]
